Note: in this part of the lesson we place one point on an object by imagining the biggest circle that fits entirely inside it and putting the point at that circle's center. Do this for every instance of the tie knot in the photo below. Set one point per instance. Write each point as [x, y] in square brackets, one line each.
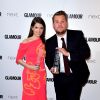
[63, 43]
[62, 39]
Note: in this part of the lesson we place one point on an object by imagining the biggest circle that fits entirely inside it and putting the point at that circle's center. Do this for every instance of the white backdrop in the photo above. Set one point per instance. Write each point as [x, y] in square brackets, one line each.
[15, 19]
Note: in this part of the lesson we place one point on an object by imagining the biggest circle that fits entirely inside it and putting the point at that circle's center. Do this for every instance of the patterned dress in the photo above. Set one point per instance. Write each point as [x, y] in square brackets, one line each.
[34, 82]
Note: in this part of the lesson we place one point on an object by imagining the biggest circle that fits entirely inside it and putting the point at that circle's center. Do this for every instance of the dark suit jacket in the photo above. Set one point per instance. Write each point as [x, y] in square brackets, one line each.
[79, 53]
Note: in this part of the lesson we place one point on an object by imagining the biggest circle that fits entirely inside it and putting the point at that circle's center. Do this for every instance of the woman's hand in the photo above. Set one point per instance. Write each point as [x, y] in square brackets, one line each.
[34, 67]
[28, 65]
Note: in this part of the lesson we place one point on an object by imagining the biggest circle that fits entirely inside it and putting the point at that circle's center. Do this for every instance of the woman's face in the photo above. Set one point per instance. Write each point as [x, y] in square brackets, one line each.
[37, 29]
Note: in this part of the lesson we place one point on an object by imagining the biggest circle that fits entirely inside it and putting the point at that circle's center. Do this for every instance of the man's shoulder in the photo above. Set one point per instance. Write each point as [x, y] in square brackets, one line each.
[70, 30]
[75, 32]
[52, 38]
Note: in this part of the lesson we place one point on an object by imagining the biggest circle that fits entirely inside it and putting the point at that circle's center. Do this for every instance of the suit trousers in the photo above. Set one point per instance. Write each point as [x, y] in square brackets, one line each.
[67, 87]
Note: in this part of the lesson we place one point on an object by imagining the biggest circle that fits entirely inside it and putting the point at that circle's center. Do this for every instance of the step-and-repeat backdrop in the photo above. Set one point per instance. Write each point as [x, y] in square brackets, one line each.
[15, 19]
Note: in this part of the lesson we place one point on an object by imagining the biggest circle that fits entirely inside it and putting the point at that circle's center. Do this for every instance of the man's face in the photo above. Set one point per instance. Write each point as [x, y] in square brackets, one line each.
[60, 24]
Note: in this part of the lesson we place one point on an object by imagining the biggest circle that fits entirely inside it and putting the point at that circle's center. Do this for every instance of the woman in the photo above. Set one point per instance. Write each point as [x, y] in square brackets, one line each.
[31, 55]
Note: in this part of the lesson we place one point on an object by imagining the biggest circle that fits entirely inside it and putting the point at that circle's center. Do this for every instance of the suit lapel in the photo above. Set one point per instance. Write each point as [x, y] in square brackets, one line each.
[68, 39]
[55, 42]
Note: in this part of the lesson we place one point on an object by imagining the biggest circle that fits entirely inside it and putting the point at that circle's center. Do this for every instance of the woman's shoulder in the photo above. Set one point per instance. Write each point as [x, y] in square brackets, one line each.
[27, 40]
[30, 40]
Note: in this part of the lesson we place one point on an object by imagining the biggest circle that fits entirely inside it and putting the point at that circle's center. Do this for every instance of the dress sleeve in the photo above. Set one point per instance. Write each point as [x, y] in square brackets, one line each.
[21, 52]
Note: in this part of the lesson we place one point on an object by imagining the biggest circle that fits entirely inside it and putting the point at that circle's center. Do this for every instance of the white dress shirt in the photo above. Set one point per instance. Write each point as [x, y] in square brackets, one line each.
[62, 69]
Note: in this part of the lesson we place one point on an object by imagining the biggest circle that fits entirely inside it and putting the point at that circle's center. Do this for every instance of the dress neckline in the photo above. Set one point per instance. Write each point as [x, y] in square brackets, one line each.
[31, 41]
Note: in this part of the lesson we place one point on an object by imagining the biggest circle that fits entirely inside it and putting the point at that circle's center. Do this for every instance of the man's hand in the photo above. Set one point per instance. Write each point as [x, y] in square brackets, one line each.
[54, 70]
[63, 51]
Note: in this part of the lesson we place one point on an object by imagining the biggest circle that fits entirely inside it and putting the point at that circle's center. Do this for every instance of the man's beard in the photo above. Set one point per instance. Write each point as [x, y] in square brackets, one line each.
[61, 33]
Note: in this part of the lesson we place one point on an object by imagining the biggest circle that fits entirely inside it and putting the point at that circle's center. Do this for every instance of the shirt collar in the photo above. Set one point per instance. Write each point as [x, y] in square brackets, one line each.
[64, 36]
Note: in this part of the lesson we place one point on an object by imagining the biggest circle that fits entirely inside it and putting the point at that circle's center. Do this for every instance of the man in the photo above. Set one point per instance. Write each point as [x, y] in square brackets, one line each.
[68, 85]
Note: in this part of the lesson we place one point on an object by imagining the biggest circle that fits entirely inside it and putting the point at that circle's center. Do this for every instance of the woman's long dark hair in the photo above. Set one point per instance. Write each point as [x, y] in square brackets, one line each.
[41, 21]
